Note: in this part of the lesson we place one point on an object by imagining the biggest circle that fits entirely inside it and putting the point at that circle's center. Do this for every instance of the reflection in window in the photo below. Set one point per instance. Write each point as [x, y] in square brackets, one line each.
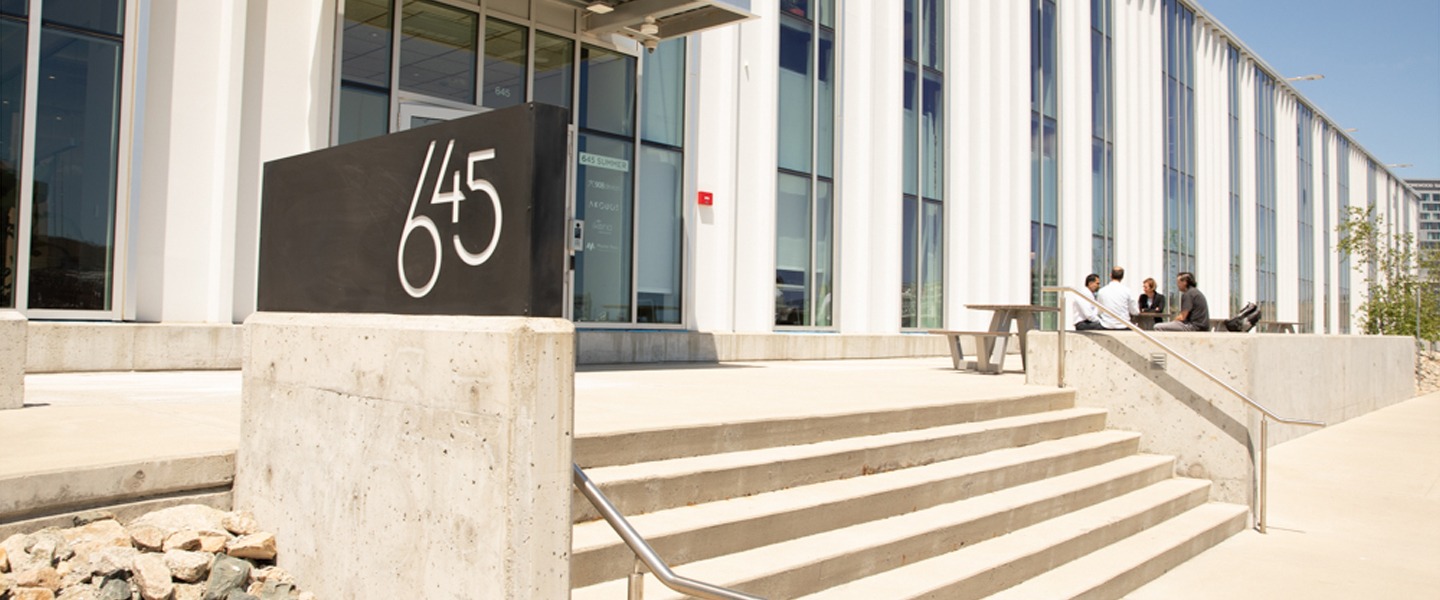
[660, 248]
[1102, 131]
[438, 51]
[804, 207]
[12, 99]
[1044, 156]
[607, 91]
[1179, 240]
[1265, 193]
[604, 179]
[922, 274]
[1235, 216]
[364, 104]
[554, 66]
[73, 211]
[1325, 226]
[1305, 189]
[505, 57]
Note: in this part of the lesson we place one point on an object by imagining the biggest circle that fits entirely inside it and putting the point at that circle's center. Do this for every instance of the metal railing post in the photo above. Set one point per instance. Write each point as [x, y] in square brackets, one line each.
[1264, 463]
[1060, 343]
[637, 580]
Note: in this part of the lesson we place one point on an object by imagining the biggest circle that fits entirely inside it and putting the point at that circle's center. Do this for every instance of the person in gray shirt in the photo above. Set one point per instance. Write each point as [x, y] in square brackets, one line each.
[1194, 310]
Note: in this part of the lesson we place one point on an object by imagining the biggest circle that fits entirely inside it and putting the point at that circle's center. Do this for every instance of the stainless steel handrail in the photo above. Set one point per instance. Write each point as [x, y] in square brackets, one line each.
[1266, 415]
[645, 554]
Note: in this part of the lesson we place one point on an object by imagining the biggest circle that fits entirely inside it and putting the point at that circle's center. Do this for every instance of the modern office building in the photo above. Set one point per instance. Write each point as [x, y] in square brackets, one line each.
[866, 167]
[1428, 234]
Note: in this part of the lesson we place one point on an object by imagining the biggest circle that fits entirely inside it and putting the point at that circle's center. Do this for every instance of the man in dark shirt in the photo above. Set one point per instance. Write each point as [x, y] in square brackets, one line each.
[1194, 311]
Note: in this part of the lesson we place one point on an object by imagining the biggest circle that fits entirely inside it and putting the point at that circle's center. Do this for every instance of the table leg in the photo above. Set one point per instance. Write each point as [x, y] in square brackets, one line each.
[1000, 321]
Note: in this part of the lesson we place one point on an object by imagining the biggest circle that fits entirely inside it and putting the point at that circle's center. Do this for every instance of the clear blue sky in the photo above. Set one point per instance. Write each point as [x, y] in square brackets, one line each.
[1380, 59]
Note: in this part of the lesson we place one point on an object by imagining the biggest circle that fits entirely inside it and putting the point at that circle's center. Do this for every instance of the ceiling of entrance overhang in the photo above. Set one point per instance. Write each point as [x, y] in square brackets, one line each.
[655, 20]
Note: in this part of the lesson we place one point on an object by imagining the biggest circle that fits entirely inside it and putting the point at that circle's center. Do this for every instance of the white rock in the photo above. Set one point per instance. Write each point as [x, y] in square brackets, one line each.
[78, 593]
[40, 577]
[213, 541]
[152, 577]
[187, 539]
[147, 537]
[189, 591]
[32, 594]
[190, 567]
[108, 561]
[193, 517]
[257, 546]
[96, 535]
[240, 523]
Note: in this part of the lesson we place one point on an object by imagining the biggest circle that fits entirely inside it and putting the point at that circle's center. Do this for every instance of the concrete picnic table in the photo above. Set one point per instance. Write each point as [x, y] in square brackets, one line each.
[1025, 317]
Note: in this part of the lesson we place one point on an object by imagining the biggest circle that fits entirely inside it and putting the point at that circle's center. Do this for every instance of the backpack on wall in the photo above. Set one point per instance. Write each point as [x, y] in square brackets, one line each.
[1244, 320]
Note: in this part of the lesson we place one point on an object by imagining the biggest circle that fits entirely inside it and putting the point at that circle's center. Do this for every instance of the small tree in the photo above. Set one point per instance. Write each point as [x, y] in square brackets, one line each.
[1403, 286]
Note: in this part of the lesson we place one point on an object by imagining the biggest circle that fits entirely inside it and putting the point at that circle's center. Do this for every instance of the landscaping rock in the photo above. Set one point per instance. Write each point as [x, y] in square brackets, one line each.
[42, 577]
[187, 539]
[26, 593]
[88, 538]
[4, 561]
[92, 516]
[191, 517]
[147, 537]
[114, 589]
[226, 575]
[153, 577]
[213, 541]
[189, 591]
[240, 523]
[189, 567]
[239, 595]
[109, 561]
[258, 546]
[79, 593]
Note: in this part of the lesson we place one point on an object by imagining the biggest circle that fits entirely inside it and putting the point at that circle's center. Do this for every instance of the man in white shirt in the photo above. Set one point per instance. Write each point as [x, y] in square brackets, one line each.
[1084, 315]
[1118, 298]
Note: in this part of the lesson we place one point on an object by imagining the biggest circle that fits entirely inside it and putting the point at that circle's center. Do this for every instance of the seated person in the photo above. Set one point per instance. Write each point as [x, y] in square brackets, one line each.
[1086, 316]
[1194, 310]
[1151, 301]
[1118, 299]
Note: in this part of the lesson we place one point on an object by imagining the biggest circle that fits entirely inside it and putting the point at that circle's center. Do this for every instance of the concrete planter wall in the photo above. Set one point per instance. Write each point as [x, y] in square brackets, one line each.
[58, 347]
[13, 333]
[1212, 433]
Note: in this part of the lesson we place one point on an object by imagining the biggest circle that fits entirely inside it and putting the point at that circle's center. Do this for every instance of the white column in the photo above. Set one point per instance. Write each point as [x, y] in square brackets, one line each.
[755, 164]
[1287, 210]
[869, 140]
[1212, 177]
[288, 79]
[1140, 139]
[714, 151]
[989, 143]
[182, 239]
[1076, 132]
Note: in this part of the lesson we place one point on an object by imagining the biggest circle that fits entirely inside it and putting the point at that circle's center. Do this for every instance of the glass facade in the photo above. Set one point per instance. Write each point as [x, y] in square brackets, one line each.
[1305, 192]
[1102, 143]
[71, 170]
[1044, 155]
[922, 274]
[1342, 211]
[1265, 245]
[604, 181]
[660, 249]
[1236, 243]
[805, 190]
[1179, 241]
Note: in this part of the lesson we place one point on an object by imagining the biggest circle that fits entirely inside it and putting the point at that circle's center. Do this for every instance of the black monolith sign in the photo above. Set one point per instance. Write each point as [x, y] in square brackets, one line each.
[465, 217]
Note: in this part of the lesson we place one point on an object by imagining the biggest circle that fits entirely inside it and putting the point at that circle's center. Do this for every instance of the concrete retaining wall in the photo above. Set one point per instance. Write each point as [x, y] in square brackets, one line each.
[1213, 434]
[598, 346]
[13, 332]
[431, 452]
[57, 347]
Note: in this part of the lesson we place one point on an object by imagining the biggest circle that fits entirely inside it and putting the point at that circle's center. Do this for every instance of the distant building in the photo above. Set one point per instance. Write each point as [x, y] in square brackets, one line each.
[1428, 231]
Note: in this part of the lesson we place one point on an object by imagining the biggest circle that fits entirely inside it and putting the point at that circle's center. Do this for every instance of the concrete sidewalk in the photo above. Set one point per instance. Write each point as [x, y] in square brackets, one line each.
[1354, 513]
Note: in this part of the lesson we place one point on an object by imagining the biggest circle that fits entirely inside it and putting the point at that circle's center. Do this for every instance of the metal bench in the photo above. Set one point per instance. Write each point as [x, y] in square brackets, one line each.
[989, 349]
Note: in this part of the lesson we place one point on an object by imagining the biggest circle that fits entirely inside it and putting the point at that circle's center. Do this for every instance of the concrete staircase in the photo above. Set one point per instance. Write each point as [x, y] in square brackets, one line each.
[1021, 497]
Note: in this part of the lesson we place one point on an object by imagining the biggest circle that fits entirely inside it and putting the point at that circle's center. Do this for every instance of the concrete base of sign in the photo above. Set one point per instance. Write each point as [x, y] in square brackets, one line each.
[432, 452]
[1213, 434]
[67, 347]
[599, 346]
[12, 359]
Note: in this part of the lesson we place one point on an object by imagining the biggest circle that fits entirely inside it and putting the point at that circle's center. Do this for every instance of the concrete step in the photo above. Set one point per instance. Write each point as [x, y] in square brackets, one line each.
[1120, 568]
[623, 448]
[32, 499]
[988, 567]
[691, 533]
[648, 487]
[808, 564]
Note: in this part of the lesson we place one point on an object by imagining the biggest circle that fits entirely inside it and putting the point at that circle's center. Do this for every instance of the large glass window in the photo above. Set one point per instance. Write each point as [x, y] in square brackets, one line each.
[74, 168]
[1180, 238]
[1044, 154]
[506, 54]
[1265, 244]
[1102, 148]
[1305, 189]
[604, 185]
[1235, 216]
[804, 200]
[365, 71]
[661, 244]
[13, 37]
[922, 280]
[438, 49]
